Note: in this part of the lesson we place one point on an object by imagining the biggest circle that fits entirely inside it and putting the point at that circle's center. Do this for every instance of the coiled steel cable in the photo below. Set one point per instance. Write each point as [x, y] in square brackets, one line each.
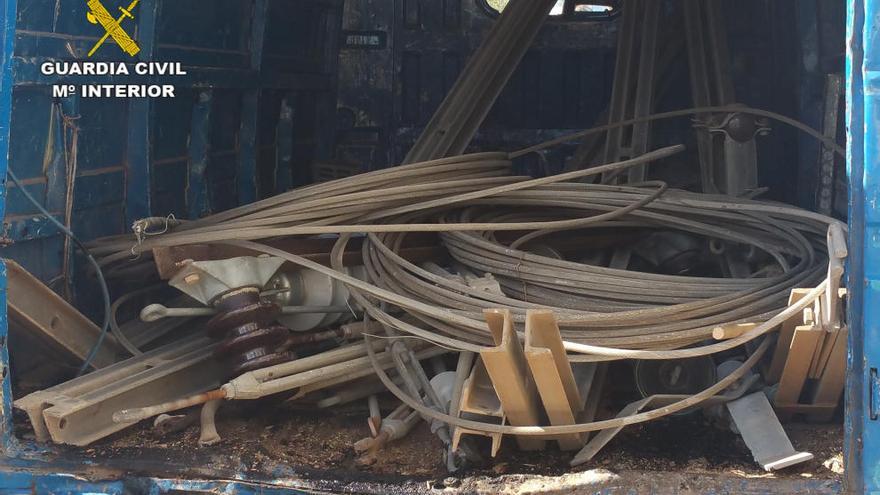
[640, 310]
[460, 197]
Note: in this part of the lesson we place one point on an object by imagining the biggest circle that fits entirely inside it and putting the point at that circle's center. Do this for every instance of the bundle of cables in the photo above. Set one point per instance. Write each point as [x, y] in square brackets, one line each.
[594, 304]
[605, 313]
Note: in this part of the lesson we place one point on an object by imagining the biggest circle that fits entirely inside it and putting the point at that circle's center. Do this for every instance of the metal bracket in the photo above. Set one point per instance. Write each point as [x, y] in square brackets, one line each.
[873, 395]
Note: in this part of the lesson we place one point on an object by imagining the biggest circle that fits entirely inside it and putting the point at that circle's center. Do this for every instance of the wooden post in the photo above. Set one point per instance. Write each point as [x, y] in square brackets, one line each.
[553, 375]
[506, 364]
[786, 333]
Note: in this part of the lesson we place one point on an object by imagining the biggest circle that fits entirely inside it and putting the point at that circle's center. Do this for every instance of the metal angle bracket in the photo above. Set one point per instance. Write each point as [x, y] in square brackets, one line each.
[760, 429]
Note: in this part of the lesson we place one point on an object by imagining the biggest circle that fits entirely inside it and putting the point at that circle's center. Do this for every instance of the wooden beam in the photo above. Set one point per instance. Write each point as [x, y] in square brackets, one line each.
[506, 365]
[37, 310]
[786, 332]
[553, 375]
[831, 383]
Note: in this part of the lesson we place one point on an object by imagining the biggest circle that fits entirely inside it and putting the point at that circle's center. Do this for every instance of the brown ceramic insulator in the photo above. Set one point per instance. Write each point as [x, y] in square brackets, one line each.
[249, 336]
[262, 313]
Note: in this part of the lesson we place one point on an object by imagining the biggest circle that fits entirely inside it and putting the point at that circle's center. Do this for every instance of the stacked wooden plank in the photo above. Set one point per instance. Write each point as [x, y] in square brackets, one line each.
[810, 358]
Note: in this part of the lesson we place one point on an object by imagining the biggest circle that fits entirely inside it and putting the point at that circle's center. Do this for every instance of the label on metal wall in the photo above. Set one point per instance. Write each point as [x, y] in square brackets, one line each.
[365, 40]
[113, 29]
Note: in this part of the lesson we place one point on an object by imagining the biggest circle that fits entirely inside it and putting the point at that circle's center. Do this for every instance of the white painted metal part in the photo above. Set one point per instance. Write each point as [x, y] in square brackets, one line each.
[204, 281]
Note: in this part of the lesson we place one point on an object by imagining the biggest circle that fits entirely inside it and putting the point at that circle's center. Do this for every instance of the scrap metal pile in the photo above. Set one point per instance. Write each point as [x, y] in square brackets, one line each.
[508, 242]
[528, 286]
[596, 305]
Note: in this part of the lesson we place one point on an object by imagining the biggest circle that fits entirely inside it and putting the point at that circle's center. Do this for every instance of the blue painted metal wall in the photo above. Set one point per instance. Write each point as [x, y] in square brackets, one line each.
[203, 151]
[8, 10]
[257, 66]
[29, 484]
[198, 153]
[863, 163]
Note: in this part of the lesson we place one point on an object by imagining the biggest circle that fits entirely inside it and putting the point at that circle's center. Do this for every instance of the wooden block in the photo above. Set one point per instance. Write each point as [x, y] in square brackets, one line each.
[553, 375]
[732, 331]
[797, 364]
[507, 367]
[831, 382]
[783, 343]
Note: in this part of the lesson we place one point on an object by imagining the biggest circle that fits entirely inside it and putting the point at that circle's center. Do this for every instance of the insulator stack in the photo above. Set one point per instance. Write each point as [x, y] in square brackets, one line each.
[247, 329]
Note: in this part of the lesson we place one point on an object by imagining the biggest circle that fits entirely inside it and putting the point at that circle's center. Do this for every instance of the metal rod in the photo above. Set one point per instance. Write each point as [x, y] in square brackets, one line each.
[156, 312]
[135, 415]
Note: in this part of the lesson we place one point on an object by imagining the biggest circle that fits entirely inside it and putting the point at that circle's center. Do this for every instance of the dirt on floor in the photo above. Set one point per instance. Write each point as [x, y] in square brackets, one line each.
[258, 438]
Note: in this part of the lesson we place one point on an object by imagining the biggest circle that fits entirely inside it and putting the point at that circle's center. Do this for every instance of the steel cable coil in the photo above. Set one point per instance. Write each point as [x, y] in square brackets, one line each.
[469, 198]
[599, 305]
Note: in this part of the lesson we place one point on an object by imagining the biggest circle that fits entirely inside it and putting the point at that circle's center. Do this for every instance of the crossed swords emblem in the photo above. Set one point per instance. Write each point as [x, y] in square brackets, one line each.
[98, 14]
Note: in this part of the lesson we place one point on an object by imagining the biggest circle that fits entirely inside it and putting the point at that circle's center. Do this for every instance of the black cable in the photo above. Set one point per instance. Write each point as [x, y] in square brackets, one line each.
[105, 292]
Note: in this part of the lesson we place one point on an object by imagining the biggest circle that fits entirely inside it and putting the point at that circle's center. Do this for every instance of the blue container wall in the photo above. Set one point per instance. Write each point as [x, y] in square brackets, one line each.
[261, 77]
[781, 51]
[863, 161]
[212, 147]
